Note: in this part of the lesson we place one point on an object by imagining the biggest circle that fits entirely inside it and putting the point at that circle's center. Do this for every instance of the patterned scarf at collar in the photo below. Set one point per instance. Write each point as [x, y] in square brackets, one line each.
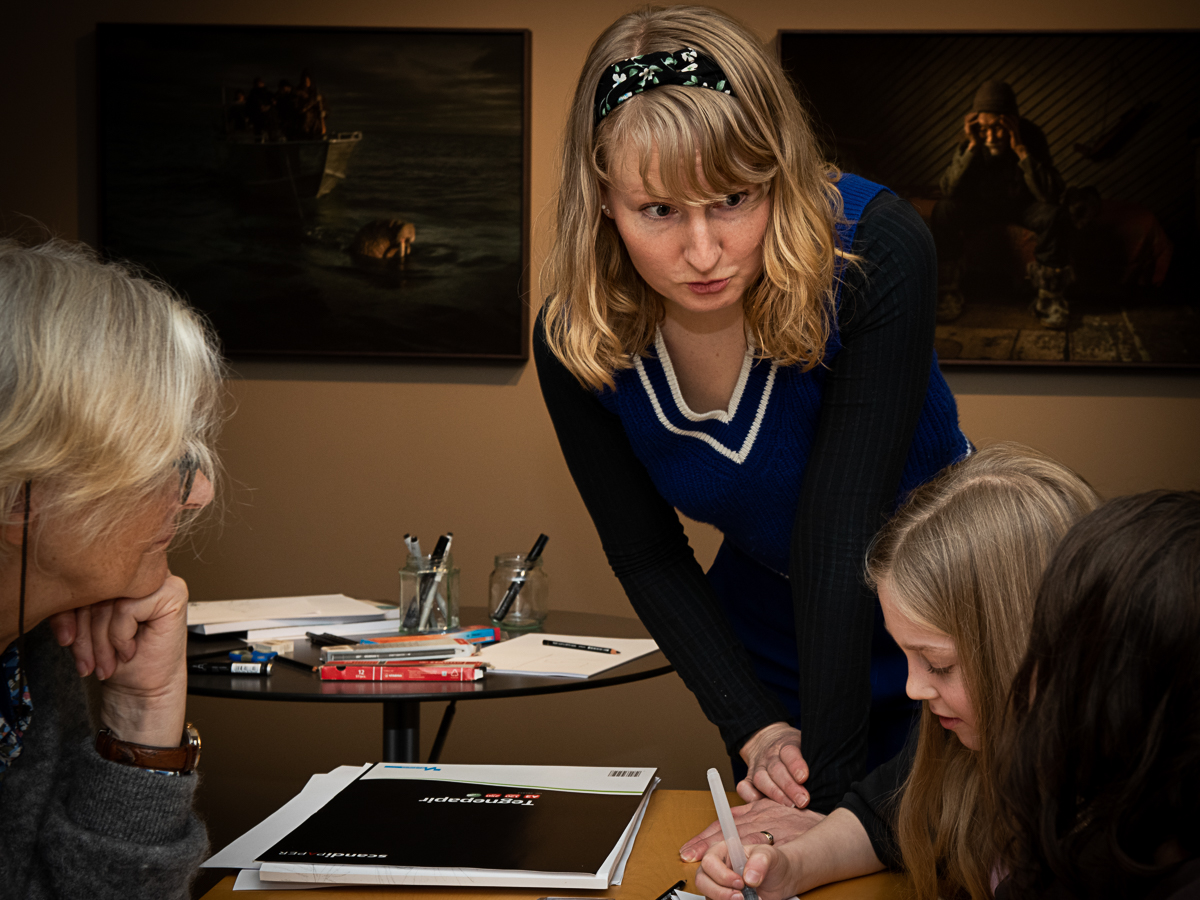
[685, 68]
[15, 708]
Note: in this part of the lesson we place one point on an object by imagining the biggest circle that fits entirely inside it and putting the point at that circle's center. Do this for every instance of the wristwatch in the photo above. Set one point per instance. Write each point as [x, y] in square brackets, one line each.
[180, 760]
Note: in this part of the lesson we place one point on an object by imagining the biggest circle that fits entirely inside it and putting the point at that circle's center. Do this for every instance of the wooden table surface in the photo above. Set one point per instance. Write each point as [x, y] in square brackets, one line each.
[672, 818]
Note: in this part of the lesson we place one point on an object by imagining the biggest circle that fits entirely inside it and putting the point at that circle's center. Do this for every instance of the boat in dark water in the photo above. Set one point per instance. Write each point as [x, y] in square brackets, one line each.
[303, 169]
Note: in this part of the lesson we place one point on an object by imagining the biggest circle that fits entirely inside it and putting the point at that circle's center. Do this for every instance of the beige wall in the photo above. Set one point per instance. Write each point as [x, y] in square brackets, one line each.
[329, 464]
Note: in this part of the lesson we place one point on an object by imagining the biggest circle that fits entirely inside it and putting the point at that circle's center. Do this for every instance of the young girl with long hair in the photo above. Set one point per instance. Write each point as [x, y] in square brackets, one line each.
[957, 570]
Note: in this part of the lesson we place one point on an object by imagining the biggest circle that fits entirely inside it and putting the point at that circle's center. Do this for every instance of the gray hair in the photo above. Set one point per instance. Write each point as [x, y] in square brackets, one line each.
[107, 379]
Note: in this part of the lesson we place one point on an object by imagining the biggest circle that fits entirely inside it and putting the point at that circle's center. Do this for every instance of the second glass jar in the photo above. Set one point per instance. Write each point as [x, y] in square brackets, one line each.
[528, 609]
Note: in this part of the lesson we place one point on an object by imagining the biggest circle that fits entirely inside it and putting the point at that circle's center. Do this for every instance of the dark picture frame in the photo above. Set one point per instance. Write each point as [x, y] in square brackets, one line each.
[1120, 114]
[377, 205]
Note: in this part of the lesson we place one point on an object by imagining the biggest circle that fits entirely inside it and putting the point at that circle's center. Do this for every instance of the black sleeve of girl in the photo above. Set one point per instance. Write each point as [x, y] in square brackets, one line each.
[875, 801]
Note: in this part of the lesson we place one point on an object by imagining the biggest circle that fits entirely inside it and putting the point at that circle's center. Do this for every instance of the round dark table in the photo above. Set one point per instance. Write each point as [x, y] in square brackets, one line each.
[402, 700]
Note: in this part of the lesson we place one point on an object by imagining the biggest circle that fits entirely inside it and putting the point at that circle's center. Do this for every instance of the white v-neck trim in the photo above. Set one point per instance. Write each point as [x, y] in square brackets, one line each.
[738, 456]
[724, 416]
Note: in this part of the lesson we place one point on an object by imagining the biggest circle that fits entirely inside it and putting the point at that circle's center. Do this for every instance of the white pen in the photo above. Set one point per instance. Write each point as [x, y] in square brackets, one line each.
[737, 853]
[413, 545]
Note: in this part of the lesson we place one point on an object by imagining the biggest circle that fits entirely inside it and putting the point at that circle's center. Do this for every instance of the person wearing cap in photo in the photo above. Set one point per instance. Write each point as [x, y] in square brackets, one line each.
[1002, 174]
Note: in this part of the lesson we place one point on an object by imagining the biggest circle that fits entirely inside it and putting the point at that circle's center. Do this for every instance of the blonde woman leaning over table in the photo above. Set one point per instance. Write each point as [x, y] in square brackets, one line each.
[957, 571]
[737, 330]
[108, 404]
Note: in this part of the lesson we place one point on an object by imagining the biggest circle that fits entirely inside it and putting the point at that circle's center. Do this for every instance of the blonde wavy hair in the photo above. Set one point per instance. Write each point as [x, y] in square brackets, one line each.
[964, 556]
[601, 314]
[107, 381]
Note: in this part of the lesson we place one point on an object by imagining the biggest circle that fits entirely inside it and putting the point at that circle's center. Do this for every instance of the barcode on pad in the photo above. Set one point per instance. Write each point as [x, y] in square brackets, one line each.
[624, 773]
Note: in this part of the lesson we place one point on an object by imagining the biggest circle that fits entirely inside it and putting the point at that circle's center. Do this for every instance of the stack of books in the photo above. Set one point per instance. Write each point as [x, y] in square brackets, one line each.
[455, 825]
[417, 657]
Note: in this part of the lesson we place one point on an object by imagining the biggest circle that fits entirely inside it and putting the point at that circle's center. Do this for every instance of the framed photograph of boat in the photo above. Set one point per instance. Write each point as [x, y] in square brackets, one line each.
[343, 192]
[1057, 172]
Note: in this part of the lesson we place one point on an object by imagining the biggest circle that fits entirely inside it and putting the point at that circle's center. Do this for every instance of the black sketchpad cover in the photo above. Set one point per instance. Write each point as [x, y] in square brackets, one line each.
[447, 824]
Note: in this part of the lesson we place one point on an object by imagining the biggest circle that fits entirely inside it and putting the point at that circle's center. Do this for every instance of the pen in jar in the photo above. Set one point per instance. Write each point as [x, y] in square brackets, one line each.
[518, 580]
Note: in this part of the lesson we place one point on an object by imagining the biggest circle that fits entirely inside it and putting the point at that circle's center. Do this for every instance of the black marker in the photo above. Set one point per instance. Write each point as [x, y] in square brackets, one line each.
[515, 585]
[230, 668]
[570, 646]
[329, 640]
[429, 587]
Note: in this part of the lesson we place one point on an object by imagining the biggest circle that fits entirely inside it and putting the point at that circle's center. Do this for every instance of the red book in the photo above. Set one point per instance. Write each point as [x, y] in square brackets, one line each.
[356, 671]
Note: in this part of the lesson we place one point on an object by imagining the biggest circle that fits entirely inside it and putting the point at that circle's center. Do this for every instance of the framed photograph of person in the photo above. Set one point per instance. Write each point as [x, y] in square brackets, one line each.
[350, 192]
[1057, 172]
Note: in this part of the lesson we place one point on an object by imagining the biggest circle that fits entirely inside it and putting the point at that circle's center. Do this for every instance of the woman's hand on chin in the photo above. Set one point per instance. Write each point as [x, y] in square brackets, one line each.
[775, 768]
[138, 649]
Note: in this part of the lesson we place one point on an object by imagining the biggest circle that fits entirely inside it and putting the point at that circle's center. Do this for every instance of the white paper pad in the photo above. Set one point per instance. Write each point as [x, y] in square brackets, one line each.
[526, 655]
[619, 872]
[251, 880]
[221, 616]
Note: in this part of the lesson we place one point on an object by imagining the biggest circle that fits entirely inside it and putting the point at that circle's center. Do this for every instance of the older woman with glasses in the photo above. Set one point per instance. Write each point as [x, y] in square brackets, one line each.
[109, 390]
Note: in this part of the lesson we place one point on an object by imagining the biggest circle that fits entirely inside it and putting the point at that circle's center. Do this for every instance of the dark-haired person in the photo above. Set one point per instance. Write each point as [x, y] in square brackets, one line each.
[109, 390]
[1103, 781]
[706, 347]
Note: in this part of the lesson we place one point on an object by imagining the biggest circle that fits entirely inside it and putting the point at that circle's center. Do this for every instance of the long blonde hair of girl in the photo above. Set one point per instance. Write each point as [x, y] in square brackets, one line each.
[964, 556]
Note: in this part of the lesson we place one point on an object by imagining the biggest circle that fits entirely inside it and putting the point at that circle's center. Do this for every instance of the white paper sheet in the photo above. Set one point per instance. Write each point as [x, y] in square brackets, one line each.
[251, 880]
[619, 872]
[221, 616]
[526, 655]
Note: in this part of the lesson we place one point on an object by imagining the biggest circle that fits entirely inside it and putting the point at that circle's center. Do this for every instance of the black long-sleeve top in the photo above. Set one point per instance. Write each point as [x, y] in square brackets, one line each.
[872, 399]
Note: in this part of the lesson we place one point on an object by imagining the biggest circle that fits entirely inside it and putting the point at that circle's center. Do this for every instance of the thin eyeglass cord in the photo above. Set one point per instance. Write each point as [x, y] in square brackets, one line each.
[21, 608]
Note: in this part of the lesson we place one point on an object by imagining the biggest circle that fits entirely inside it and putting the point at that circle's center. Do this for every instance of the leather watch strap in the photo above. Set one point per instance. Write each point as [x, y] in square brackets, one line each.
[181, 759]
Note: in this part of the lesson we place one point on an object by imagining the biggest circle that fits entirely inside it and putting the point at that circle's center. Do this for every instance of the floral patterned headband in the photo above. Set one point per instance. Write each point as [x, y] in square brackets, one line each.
[686, 68]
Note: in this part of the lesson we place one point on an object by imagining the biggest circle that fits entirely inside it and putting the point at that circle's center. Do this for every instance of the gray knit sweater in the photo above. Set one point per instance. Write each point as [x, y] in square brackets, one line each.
[75, 825]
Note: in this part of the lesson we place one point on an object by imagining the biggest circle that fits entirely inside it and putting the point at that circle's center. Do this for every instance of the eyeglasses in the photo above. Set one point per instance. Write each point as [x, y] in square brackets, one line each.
[188, 466]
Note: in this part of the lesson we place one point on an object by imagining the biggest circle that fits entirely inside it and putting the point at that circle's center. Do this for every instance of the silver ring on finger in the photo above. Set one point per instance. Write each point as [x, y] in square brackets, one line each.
[770, 838]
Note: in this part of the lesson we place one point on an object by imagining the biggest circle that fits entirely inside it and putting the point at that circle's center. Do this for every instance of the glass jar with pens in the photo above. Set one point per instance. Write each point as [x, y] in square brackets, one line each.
[429, 591]
[519, 590]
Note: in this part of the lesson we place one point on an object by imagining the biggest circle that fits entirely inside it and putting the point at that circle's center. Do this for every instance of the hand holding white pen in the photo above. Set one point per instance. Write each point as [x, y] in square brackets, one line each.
[733, 843]
[774, 873]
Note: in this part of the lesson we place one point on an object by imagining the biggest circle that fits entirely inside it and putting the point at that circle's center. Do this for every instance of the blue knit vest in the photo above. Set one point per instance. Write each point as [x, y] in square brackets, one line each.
[742, 470]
